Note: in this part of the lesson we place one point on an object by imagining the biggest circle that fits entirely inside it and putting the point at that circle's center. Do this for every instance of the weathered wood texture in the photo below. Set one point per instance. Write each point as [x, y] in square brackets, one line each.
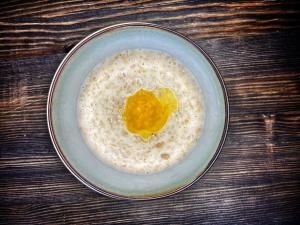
[256, 178]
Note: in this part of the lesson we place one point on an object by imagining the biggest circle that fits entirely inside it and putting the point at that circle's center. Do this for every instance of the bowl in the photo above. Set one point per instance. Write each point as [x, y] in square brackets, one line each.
[63, 121]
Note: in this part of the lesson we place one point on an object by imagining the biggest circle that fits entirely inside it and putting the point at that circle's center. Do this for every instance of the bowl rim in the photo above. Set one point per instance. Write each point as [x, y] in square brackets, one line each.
[59, 149]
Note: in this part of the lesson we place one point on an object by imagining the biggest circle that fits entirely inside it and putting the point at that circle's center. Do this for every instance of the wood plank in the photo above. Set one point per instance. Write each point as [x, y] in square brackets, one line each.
[189, 208]
[34, 29]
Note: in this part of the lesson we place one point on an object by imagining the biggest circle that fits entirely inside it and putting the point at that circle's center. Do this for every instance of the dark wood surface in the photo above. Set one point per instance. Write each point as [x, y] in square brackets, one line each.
[256, 179]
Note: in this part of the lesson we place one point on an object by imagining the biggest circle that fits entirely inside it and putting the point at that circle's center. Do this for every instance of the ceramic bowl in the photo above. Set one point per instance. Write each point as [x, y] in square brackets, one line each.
[63, 121]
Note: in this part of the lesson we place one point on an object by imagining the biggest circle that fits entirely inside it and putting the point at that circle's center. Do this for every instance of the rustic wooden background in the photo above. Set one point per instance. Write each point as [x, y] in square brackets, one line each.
[255, 44]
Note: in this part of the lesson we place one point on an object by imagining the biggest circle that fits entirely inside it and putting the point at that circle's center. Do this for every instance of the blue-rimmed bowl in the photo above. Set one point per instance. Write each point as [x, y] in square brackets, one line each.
[63, 122]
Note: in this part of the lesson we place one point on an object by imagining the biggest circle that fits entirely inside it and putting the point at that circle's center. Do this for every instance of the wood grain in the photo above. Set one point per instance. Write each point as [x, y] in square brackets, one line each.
[254, 44]
[47, 27]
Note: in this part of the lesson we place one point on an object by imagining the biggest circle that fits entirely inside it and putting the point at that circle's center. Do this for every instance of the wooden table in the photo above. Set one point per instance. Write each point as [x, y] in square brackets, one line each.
[256, 179]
